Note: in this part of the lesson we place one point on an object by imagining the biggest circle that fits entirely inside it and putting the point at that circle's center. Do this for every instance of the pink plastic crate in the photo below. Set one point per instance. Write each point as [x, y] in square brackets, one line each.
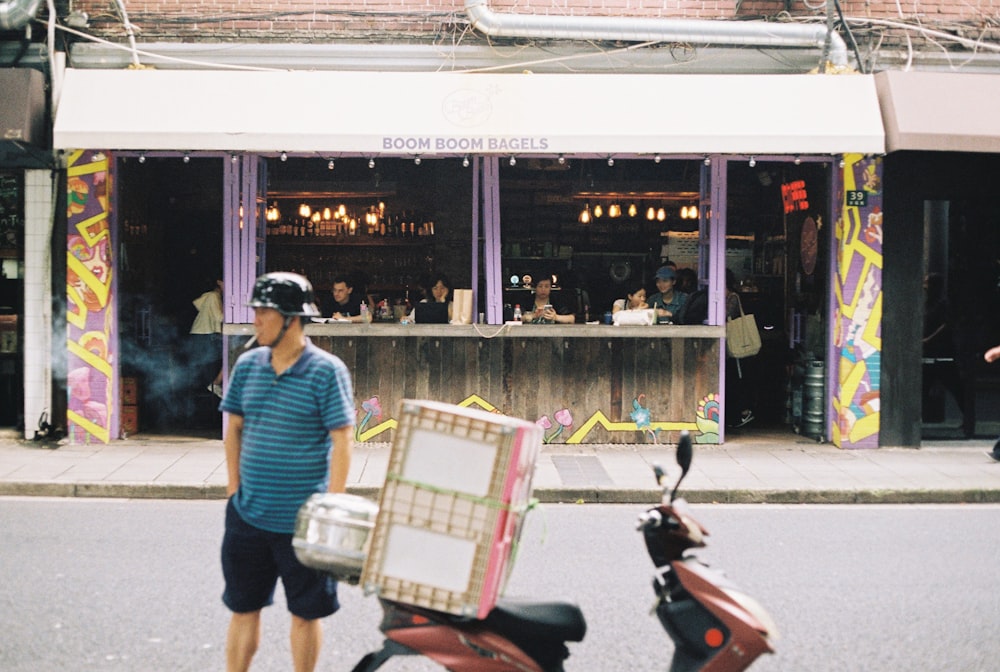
[457, 486]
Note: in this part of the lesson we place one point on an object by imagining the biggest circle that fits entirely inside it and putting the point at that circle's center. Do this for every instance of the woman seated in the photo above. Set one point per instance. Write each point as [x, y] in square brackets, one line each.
[439, 294]
[635, 299]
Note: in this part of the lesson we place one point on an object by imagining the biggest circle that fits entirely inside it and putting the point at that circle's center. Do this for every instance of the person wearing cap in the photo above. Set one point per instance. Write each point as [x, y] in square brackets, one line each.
[290, 434]
[668, 302]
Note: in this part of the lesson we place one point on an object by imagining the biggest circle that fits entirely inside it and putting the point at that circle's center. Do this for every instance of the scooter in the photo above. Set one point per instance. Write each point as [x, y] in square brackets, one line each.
[715, 627]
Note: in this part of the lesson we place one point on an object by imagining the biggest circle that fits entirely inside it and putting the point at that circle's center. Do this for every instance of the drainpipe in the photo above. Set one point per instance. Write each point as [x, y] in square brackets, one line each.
[750, 33]
[16, 14]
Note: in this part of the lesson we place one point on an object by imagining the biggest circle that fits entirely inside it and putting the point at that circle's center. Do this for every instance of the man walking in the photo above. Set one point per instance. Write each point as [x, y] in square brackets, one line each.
[287, 404]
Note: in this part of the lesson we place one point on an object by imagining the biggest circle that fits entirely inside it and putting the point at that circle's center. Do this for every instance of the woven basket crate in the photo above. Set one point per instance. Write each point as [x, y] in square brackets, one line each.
[457, 486]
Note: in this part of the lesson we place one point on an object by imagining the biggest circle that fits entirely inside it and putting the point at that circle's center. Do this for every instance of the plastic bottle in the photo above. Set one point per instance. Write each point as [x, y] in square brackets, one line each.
[365, 315]
[517, 312]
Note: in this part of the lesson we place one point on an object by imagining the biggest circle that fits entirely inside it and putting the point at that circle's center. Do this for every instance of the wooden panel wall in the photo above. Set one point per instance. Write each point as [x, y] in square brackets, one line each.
[534, 377]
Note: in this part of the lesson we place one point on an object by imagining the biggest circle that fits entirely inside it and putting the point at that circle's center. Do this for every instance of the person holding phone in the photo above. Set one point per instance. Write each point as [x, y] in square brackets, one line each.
[544, 310]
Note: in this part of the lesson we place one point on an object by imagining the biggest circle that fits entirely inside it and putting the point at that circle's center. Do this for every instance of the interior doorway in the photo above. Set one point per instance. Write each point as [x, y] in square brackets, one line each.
[170, 252]
[776, 250]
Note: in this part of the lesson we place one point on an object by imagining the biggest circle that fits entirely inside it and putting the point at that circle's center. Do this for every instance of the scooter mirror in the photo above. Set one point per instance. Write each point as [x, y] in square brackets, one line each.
[685, 453]
[659, 473]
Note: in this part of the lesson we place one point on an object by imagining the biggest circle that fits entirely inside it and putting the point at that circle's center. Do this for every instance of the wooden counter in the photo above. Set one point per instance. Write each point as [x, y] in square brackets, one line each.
[590, 383]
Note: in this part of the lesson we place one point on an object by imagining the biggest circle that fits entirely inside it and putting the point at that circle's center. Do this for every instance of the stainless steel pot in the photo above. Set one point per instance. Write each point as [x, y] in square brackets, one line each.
[332, 534]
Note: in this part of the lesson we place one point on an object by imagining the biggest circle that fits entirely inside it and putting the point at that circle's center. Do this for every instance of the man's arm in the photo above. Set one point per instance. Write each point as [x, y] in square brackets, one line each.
[233, 444]
[340, 459]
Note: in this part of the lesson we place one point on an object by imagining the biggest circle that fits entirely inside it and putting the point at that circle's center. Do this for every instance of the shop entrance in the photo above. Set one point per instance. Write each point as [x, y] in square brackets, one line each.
[776, 249]
[960, 391]
[170, 252]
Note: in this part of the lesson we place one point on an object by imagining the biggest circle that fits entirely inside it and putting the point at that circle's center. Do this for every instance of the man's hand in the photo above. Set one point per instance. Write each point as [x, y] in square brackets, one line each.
[993, 354]
[232, 444]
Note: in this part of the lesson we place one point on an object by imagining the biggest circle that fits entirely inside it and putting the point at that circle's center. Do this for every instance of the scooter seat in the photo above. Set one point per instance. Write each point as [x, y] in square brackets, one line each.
[562, 621]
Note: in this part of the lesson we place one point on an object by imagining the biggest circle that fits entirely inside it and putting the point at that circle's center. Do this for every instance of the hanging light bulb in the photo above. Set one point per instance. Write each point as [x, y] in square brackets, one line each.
[315, 217]
[657, 159]
[465, 161]
[513, 161]
[632, 210]
[708, 160]
[234, 158]
[693, 211]
[611, 161]
[661, 215]
[598, 210]
[305, 210]
[416, 160]
[142, 158]
[561, 160]
[651, 213]
[684, 212]
[798, 160]
[371, 163]
[327, 215]
[187, 158]
[330, 165]
[585, 215]
[341, 210]
[753, 162]
[614, 210]
[284, 156]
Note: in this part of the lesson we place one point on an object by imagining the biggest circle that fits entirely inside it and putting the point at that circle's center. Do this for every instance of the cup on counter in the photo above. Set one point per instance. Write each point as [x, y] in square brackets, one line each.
[607, 318]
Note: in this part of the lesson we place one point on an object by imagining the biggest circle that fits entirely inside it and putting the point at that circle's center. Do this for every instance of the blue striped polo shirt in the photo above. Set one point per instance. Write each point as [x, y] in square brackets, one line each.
[287, 419]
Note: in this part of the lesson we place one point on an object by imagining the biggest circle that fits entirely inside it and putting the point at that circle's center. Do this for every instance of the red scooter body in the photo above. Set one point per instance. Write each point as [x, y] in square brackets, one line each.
[715, 627]
[516, 636]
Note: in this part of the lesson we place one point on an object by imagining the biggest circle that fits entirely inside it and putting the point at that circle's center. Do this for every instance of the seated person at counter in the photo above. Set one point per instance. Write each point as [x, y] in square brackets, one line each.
[346, 304]
[544, 310]
[667, 302]
[635, 299]
[437, 309]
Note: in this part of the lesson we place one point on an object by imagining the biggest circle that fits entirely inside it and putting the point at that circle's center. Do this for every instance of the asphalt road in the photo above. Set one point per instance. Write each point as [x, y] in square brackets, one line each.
[115, 585]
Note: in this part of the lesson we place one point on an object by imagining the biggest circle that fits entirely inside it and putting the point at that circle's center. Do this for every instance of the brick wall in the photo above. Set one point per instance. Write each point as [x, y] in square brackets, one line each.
[445, 21]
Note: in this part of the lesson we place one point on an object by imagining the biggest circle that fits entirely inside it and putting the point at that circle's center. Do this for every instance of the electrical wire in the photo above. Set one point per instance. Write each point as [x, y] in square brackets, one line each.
[850, 35]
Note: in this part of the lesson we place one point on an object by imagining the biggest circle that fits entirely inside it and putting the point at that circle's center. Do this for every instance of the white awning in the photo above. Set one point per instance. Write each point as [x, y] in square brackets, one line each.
[940, 111]
[429, 114]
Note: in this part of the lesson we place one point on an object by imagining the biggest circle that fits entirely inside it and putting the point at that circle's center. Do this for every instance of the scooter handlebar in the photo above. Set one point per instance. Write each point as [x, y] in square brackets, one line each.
[650, 519]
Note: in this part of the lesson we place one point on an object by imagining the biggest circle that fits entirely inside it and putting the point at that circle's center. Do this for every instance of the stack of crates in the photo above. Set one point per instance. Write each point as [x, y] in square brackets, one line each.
[129, 395]
[457, 487]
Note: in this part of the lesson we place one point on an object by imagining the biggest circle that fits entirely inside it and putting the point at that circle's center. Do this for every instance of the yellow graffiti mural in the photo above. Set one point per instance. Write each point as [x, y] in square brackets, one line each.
[705, 428]
[90, 315]
[858, 294]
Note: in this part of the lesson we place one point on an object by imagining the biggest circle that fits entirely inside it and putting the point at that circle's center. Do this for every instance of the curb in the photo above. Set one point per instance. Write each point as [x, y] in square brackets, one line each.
[543, 495]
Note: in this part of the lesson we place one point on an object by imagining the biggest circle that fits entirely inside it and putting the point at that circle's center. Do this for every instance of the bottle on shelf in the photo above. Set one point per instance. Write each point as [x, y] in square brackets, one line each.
[365, 315]
[517, 312]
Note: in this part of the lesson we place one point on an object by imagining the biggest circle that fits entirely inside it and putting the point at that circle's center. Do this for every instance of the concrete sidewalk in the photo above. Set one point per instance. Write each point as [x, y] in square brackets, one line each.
[776, 467]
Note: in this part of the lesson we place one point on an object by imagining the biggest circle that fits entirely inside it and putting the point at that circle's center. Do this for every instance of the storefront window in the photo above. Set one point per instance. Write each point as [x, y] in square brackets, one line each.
[389, 224]
[596, 226]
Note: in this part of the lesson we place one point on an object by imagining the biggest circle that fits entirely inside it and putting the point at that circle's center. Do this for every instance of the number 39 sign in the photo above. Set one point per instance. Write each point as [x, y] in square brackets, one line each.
[857, 198]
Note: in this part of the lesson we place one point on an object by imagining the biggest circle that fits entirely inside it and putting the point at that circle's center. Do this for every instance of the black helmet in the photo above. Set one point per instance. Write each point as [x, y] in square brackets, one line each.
[287, 293]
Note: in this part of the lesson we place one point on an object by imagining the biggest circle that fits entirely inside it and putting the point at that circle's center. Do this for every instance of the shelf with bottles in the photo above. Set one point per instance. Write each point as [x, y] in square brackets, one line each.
[359, 241]
[337, 225]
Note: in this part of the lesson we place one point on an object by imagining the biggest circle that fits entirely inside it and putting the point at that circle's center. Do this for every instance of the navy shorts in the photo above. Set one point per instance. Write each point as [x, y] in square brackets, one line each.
[252, 561]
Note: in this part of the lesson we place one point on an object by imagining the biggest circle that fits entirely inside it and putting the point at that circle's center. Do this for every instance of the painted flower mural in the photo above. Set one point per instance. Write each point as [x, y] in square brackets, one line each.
[707, 419]
[564, 420]
[642, 418]
[371, 407]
